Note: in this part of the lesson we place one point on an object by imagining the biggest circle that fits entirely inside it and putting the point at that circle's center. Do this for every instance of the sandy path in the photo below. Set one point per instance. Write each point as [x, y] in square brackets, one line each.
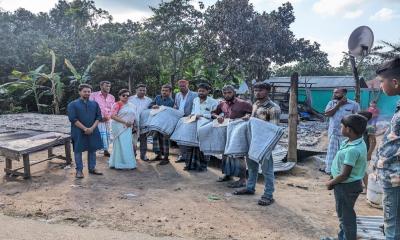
[21, 229]
[169, 202]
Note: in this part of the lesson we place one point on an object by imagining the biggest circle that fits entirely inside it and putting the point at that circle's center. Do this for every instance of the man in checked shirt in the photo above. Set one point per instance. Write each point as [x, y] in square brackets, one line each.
[267, 110]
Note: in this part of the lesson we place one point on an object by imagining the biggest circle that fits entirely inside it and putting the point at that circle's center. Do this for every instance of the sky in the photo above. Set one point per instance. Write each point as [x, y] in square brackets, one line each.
[328, 22]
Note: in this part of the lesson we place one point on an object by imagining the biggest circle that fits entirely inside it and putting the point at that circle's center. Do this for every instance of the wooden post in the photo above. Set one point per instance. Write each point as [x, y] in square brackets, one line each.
[8, 165]
[27, 167]
[50, 152]
[356, 78]
[293, 118]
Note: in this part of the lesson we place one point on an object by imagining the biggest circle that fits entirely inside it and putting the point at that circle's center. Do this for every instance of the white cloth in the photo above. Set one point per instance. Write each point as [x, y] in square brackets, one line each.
[186, 134]
[212, 139]
[141, 104]
[238, 138]
[264, 137]
[163, 122]
[204, 108]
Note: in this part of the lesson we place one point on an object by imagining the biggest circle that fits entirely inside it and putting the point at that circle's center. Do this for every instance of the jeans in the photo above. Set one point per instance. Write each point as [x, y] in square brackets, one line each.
[391, 212]
[79, 162]
[267, 168]
[346, 195]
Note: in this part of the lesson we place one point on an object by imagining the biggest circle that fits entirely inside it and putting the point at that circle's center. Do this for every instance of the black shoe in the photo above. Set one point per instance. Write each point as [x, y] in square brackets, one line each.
[157, 158]
[180, 160]
[95, 172]
[163, 162]
[106, 153]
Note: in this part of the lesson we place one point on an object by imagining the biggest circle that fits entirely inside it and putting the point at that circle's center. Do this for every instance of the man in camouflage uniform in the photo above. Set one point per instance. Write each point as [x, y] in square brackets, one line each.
[388, 161]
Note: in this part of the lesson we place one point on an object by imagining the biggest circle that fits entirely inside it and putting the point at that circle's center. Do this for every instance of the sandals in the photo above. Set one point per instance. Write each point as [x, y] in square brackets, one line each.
[264, 201]
[244, 191]
[224, 179]
[237, 184]
[323, 171]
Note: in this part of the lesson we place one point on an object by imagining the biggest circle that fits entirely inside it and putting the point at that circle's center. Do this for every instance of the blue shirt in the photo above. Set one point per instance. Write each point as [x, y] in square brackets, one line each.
[352, 154]
[350, 107]
[160, 101]
[86, 112]
[388, 163]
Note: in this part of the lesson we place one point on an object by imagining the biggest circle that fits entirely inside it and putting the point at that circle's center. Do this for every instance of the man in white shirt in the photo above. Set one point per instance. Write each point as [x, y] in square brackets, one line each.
[142, 102]
[184, 103]
[336, 110]
[202, 107]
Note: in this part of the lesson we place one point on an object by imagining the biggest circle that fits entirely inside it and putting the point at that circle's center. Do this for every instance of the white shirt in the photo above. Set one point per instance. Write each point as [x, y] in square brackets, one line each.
[140, 103]
[183, 102]
[204, 108]
[350, 107]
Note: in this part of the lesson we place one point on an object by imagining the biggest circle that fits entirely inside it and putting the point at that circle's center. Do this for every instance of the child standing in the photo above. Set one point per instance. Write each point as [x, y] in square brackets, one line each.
[370, 141]
[348, 169]
[373, 109]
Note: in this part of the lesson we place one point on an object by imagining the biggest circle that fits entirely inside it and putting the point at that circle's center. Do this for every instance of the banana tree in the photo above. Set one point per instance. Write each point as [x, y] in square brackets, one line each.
[77, 77]
[31, 82]
[56, 84]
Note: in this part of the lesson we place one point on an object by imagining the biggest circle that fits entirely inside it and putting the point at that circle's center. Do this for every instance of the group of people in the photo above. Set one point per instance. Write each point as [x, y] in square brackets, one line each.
[95, 116]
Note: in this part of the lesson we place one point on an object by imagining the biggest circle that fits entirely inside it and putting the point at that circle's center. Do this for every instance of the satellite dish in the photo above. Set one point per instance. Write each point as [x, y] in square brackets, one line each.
[361, 41]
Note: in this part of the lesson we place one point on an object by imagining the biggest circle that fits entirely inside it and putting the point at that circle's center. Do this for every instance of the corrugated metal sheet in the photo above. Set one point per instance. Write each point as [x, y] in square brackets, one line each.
[370, 228]
[318, 81]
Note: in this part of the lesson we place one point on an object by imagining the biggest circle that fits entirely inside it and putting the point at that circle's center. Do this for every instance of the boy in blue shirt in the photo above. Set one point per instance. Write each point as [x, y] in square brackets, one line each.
[348, 169]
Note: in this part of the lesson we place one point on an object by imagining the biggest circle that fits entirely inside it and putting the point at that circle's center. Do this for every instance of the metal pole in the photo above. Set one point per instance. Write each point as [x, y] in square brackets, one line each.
[356, 78]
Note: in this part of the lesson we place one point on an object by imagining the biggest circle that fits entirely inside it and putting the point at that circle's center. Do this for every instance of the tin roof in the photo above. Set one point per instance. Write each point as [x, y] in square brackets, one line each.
[313, 81]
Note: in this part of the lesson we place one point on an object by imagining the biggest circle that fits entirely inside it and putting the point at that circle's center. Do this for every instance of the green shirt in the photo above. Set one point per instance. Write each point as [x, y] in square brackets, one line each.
[353, 154]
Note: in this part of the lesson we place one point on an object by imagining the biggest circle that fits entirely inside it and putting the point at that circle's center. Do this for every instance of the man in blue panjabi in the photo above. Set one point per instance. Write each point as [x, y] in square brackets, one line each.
[84, 116]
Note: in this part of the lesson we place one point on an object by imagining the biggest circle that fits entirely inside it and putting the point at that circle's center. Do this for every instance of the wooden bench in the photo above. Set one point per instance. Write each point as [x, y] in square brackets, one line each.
[13, 150]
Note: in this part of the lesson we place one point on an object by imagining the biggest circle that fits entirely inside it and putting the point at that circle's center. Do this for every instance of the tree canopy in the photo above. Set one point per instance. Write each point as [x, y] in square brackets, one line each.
[229, 42]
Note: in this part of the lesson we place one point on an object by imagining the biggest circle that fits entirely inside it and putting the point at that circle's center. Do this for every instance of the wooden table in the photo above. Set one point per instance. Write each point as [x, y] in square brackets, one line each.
[14, 149]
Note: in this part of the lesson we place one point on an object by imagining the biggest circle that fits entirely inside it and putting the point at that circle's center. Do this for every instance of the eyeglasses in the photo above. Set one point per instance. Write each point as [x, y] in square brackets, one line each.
[125, 95]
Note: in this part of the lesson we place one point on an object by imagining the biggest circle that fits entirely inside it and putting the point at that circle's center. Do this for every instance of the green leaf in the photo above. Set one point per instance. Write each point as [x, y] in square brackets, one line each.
[47, 93]
[72, 69]
[27, 93]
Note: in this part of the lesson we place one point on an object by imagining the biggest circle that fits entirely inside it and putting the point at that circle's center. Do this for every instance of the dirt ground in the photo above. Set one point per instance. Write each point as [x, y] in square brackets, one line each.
[167, 201]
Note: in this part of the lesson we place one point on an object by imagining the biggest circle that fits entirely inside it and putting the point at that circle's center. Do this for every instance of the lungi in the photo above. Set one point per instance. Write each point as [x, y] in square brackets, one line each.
[104, 129]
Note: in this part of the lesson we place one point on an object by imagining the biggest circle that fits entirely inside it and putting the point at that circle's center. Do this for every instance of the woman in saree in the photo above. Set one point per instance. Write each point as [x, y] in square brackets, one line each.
[123, 116]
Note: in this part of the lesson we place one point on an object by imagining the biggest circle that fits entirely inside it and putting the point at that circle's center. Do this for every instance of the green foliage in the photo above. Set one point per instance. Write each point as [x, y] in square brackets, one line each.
[229, 42]
[31, 82]
[77, 77]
